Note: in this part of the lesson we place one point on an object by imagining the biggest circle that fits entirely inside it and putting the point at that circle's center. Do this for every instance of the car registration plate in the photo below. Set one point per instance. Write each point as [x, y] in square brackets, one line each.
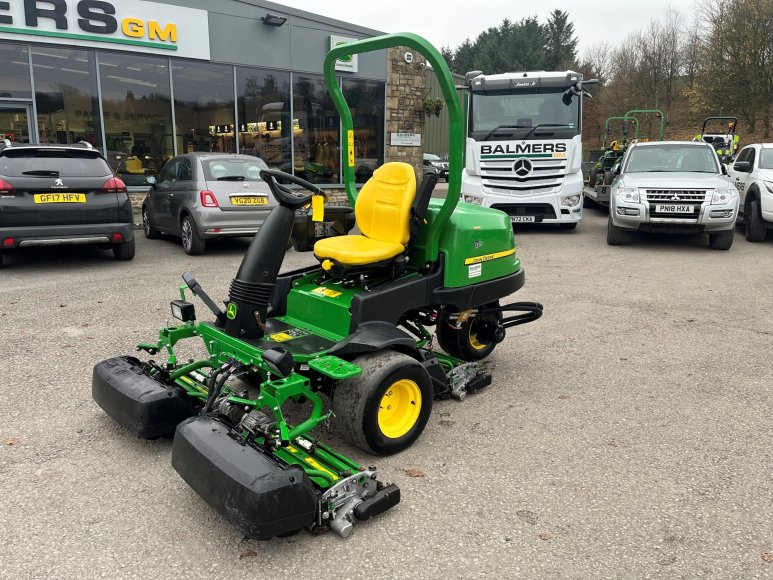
[520, 219]
[60, 198]
[249, 200]
[674, 208]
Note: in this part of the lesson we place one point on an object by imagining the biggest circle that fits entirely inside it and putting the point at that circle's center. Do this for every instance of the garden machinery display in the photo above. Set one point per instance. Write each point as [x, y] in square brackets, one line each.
[354, 328]
[725, 142]
[612, 150]
[601, 175]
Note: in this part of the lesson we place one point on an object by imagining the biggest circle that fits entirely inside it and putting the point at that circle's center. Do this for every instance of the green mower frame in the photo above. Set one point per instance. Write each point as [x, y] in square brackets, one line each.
[361, 337]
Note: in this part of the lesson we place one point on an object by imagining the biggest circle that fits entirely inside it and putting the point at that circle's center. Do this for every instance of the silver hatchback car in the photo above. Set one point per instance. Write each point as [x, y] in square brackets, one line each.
[201, 196]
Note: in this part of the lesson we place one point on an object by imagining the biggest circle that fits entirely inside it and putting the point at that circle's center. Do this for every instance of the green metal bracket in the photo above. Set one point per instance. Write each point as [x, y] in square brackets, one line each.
[456, 136]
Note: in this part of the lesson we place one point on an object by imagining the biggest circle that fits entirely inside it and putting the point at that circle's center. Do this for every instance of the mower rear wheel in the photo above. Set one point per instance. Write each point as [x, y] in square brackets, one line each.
[466, 341]
[384, 409]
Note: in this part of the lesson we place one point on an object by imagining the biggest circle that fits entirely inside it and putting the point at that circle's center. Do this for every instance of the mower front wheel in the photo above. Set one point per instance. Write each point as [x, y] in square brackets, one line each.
[468, 341]
[384, 409]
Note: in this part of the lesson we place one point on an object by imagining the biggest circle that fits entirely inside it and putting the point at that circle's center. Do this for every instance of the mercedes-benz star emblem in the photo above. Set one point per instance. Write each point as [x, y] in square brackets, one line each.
[522, 167]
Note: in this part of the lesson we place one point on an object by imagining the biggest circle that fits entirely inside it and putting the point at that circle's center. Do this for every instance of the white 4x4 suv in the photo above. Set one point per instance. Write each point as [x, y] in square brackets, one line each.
[752, 174]
[672, 187]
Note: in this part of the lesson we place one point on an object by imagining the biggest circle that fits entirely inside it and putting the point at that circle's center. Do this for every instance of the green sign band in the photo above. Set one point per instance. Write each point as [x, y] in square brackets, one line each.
[89, 37]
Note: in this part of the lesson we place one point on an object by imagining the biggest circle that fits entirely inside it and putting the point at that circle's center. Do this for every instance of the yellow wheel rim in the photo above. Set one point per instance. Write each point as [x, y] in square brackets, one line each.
[474, 342]
[399, 408]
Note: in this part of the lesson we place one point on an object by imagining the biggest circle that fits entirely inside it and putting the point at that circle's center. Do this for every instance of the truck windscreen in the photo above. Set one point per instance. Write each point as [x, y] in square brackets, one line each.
[504, 114]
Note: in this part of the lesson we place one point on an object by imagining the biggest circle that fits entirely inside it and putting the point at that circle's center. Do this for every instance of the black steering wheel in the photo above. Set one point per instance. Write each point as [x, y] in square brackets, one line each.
[283, 194]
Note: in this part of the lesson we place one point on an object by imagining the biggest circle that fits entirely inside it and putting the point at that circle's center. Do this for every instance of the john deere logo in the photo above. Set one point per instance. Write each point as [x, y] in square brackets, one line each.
[231, 311]
[522, 167]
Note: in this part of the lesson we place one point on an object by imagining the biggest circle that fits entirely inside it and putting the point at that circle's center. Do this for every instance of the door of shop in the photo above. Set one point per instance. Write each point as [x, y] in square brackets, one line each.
[16, 122]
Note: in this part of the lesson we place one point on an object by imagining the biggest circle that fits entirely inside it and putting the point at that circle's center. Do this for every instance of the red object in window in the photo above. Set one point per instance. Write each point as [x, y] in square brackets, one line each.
[208, 199]
[114, 185]
[6, 188]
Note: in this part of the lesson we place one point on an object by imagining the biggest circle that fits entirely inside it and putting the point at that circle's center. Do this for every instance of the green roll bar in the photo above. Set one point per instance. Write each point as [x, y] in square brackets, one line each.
[456, 134]
[656, 112]
[607, 128]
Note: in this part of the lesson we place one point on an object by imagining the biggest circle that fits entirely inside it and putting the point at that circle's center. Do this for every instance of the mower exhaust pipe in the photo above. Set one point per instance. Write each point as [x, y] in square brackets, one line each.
[253, 285]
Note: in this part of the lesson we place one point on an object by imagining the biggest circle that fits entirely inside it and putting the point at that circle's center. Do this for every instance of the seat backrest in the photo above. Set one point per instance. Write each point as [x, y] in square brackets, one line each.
[384, 203]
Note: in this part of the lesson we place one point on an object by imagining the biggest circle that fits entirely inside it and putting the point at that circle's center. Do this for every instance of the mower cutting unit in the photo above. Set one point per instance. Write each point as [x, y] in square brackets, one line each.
[355, 328]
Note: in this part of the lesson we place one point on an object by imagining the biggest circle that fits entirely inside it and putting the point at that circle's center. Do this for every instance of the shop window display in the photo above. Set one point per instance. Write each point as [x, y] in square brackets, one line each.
[264, 116]
[14, 72]
[66, 96]
[138, 116]
[366, 101]
[317, 145]
[203, 107]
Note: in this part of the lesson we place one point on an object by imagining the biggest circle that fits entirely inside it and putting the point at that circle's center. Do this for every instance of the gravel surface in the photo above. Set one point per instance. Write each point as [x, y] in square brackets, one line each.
[627, 433]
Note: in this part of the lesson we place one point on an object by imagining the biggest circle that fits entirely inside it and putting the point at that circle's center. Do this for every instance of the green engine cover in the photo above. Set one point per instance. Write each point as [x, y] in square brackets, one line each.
[478, 244]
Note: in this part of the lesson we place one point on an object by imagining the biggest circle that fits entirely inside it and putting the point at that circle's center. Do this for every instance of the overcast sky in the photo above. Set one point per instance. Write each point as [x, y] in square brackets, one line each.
[450, 22]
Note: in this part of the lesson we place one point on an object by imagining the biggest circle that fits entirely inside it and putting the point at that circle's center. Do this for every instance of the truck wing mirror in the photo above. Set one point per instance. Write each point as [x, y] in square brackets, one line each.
[742, 166]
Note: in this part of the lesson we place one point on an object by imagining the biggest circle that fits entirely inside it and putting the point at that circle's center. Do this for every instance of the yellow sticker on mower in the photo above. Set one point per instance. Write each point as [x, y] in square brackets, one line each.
[489, 257]
[350, 146]
[280, 337]
[322, 291]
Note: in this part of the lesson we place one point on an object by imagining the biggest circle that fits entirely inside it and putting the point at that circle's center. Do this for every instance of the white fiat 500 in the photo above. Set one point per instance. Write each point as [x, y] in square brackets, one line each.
[673, 187]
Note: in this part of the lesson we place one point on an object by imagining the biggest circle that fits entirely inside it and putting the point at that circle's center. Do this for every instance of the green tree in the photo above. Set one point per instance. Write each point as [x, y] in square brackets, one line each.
[561, 43]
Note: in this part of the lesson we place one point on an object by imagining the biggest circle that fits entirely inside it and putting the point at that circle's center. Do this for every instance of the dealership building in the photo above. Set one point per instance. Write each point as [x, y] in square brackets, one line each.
[144, 81]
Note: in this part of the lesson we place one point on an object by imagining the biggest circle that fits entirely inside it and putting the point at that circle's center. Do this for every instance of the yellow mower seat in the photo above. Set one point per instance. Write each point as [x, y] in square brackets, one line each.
[382, 211]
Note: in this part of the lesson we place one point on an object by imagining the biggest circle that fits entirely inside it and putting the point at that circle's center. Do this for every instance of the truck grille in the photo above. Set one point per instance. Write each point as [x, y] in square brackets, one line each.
[546, 175]
[690, 197]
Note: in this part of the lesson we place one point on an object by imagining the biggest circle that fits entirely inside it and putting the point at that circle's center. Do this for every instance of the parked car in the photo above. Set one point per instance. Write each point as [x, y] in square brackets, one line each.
[434, 164]
[62, 194]
[673, 187]
[203, 196]
[752, 174]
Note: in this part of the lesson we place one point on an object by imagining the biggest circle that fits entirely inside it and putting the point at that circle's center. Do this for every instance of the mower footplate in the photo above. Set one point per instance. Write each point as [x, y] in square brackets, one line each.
[248, 487]
[142, 405]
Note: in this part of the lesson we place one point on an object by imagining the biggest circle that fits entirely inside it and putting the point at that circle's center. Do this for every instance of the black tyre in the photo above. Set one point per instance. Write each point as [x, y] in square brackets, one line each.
[3, 260]
[193, 244]
[721, 240]
[755, 225]
[124, 251]
[466, 342]
[568, 226]
[147, 226]
[385, 409]
[615, 235]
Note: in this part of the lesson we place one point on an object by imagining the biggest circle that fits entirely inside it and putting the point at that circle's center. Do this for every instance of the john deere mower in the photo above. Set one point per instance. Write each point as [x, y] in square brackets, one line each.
[725, 141]
[355, 329]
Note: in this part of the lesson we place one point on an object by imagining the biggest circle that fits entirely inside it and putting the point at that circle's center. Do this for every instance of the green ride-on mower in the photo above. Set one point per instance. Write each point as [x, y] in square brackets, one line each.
[355, 328]
[725, 140]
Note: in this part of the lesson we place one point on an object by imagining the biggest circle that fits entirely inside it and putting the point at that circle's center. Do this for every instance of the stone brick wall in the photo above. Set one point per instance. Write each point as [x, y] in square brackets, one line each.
[406, 88]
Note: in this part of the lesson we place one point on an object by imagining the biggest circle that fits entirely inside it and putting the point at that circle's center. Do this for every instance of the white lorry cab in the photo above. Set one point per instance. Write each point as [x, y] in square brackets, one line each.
[524, 145]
